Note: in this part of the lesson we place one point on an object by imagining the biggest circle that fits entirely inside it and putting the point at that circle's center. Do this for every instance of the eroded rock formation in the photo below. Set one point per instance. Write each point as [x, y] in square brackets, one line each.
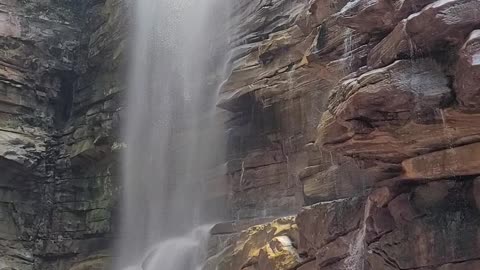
[383, 115]
[361, 118]
[59, 79]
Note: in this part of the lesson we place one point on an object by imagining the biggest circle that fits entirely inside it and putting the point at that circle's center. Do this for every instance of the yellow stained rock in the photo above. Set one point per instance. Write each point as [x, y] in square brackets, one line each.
[269, 246]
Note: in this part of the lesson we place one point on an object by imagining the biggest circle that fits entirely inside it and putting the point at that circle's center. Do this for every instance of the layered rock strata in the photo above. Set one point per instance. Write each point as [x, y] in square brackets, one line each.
[384, 125]
[59, 79]
[361, 116]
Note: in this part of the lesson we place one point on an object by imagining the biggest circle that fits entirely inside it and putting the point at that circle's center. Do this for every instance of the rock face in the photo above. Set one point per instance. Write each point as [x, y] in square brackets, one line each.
[362, 117]
[59, 79]
[373, 109]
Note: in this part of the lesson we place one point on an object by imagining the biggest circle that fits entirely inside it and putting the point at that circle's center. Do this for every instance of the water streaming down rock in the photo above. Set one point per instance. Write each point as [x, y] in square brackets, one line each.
[357, 249]
[173, 133]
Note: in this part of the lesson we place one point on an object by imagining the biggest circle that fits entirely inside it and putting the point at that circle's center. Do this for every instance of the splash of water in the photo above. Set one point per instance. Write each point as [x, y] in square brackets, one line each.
[174, 137]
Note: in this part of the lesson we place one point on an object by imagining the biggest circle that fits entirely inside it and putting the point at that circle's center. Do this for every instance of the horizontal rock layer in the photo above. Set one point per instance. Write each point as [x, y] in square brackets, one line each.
[364, 99]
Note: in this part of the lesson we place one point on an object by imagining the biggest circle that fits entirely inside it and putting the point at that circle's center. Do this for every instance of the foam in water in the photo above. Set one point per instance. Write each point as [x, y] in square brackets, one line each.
[174, 139]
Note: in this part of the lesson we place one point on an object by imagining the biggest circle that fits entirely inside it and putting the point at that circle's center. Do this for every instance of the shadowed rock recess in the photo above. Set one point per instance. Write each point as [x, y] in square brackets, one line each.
[353, 134]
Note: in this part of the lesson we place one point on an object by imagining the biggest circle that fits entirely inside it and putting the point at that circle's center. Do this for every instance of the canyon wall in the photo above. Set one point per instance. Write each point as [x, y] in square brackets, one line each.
[358, 121]
[60, 79]
[371, 110]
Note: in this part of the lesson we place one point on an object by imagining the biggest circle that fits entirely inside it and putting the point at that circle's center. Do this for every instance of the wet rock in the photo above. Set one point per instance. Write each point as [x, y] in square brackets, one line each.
[99, 263]
[378, 15]
[380, 222]
[468, 72]
[444, 163]
[440, 23]
[402, 209]
[338, 181]
[382, 196]
[337, 218]
[266, 246]
[418, 89]
[279, 254]
[429, 241]
[431, 194]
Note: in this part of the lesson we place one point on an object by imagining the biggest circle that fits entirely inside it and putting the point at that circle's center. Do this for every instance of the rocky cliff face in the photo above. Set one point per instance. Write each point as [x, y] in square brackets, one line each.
[359, 118]
[372, 107]
[59, 81]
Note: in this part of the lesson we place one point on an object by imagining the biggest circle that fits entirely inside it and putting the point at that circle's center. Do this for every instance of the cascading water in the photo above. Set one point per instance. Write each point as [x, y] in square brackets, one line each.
[174, 139]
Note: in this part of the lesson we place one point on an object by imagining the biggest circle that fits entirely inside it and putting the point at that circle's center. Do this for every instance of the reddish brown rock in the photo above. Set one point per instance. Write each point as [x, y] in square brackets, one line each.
[461, 160]
[336, 182]
[429, 241]
[381, 221]
[378, 15]
[467, 74]
[431, 194]
[442, 22]
[394, 94]
[336, 250]
[382, 196]
[336, 218]
[402, 209]
[390, 113]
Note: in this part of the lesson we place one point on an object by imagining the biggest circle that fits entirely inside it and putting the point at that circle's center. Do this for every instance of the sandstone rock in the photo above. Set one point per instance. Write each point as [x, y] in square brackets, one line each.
[402, 209]
[442, 22]
[445, 163]
[280, 253]
[335, 251]
[468, 72]
[337, 218]
[336, 182]
[431, 194]
[382, 196]
[363, 120]
[268, 246]
[429, 241]
[418, 87]
[379, 15]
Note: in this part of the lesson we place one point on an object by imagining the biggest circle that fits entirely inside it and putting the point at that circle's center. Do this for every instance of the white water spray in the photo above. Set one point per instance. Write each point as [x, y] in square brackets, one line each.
[174, 139]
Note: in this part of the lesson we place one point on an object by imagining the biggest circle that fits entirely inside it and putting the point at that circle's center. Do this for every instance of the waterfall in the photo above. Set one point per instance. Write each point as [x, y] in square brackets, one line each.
[173, 134]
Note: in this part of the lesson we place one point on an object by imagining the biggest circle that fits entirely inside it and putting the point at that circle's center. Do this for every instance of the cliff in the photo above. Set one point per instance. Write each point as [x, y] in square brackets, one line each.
[60, 78]
[369, 108]
[356, 119]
